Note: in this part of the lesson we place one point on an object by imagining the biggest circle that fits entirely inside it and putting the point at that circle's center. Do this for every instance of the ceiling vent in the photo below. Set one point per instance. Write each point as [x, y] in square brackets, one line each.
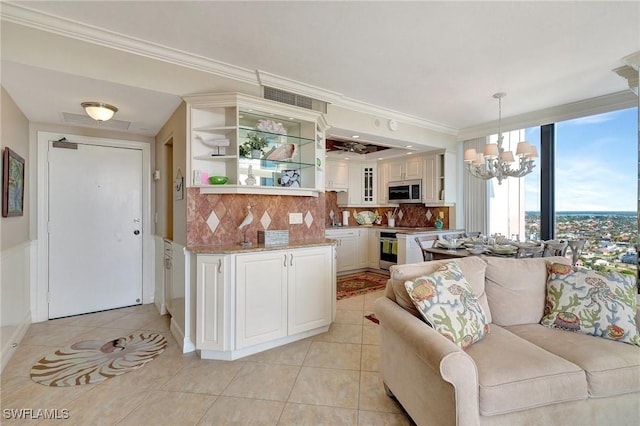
[85, 120]
[285, 97]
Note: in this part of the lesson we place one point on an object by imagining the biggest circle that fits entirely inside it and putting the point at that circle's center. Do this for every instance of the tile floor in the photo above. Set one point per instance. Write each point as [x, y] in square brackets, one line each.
[329, 379]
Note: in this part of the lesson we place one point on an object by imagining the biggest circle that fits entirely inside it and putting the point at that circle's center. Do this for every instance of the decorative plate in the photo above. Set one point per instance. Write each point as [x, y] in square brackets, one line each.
[503, 249]
[365, 217]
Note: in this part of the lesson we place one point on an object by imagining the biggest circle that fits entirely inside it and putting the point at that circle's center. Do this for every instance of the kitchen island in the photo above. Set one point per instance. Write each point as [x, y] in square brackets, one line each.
[250, 299]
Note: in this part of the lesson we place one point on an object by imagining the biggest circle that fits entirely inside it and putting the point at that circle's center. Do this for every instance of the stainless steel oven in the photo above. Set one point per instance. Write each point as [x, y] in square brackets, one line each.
[388, 249]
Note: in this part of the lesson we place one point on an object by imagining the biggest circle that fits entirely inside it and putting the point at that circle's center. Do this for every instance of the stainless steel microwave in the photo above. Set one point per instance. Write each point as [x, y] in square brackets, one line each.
[405, 191]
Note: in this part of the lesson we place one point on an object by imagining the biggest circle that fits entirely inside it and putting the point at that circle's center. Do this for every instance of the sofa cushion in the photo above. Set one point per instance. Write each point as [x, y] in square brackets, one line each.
[515, 374]
[612, 368]
[598, 303]
[472, 267]
[445, 300]
[516, 288]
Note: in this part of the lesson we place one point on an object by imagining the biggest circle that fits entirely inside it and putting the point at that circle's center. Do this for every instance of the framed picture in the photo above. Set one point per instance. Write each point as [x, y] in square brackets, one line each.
[12, 183]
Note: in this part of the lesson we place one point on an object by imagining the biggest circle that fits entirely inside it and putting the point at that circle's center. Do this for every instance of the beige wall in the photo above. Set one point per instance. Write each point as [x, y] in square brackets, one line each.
[15, 248]
[175, 129]
[15, 135]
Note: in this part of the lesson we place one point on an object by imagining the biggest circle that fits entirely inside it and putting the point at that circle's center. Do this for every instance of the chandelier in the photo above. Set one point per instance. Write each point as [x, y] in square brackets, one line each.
[495, 162]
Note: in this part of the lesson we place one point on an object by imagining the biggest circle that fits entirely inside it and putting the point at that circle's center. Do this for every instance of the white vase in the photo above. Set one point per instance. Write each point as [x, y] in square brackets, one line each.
[391, 222]
[256, 153]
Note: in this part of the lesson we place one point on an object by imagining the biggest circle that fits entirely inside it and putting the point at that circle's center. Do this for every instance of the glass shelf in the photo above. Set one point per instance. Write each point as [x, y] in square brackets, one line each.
[276, 138]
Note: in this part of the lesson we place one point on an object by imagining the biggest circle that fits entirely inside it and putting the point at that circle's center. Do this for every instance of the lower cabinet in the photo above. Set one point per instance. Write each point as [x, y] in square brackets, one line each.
[255, 301]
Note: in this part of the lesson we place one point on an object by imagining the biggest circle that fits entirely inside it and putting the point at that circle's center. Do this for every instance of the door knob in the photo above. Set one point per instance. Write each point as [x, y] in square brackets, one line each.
[136, 232]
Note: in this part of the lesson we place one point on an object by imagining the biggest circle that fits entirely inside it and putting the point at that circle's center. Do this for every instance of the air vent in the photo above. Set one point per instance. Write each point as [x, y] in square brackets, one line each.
[85, 120]
[285, 97]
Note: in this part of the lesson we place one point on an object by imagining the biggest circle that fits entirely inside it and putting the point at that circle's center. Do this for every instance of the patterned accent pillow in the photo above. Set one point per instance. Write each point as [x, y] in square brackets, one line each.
[600, 304]
[446, 301]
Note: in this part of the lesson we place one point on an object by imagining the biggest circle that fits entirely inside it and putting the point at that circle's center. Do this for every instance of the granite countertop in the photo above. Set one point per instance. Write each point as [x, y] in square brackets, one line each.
[238, 249]
[396, 229]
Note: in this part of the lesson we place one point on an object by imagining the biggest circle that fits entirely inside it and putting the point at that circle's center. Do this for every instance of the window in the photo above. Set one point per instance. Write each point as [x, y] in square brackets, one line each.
[595, 187]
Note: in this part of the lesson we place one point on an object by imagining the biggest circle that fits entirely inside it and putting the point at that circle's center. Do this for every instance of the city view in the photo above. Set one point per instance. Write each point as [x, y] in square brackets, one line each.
[611, 238]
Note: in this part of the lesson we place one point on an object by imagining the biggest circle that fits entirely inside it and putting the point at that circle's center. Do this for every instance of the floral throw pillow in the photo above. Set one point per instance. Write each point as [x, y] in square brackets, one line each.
[446, 301]
[600, 304]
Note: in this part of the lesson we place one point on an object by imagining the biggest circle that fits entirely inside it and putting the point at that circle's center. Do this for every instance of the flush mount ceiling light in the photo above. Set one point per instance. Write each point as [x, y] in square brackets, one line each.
[495, 162]
[99, 111]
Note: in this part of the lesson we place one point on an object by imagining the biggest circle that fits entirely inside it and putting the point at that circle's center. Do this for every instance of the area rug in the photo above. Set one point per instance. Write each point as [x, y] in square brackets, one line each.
[94, 361]
[372, 318]
[360, 283]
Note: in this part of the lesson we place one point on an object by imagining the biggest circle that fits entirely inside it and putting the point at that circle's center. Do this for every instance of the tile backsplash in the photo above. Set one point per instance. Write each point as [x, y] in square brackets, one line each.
[414, 215]
[213, 219]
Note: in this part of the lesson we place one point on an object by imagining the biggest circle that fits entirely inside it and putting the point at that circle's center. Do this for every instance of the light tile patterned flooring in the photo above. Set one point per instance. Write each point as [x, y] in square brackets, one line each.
[329, 379]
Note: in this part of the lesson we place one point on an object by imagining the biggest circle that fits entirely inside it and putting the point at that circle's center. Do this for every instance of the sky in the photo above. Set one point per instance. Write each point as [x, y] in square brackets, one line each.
[596, 163]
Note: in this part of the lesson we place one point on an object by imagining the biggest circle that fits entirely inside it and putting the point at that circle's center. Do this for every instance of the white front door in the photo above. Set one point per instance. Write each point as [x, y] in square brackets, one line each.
[95, 229]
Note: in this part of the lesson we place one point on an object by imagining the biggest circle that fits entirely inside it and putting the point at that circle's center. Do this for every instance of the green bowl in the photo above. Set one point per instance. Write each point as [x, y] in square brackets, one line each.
[218, 180]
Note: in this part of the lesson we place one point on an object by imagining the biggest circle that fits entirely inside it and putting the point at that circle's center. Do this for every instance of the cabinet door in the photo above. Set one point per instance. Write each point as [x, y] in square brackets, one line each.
[396, 170]
[261, 297]
[212, 302]
[355, 185]
[374, 248]
[346, 252]
[430, 189]
[337, 175]
[369, 181]
[362, 252]
[383, 180]
[309, 289]
[413, 168]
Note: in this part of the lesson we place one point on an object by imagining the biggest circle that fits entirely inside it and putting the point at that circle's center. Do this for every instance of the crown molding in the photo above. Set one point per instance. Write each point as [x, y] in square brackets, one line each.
[25, 16]
[633, 60]
[583, 108]
[359, 106]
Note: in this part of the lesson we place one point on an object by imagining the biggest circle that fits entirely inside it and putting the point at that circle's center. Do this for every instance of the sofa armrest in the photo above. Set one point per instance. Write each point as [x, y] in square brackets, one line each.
[446, 362]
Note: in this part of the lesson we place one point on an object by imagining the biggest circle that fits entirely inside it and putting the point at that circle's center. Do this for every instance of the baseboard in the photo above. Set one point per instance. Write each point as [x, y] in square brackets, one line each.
[185, 343]
[13, 342]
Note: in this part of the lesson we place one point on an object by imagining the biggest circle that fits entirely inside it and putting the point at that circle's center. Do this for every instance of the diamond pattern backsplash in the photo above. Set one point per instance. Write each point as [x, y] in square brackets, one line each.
[213, 219]
[265, 220]
[412, 214]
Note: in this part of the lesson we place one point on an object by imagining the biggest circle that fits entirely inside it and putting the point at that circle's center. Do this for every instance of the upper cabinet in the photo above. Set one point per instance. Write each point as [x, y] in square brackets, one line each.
[337, 175]
[405, 169]
[439, 186]
[363, 186]
[260, 146]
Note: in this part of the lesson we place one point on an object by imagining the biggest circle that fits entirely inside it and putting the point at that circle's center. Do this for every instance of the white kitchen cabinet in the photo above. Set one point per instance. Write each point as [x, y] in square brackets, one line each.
[346, 248]
[309, 294]
[213, 291]
[261, 297]
[250, 302]
[439, 186]
[363, 185]
[405, 169]
[373, 247]
[362, 251]
[383, 180]
[337, 176]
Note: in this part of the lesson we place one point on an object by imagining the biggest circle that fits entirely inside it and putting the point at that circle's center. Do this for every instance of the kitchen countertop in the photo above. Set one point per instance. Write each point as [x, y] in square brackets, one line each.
[396, 229]
[238, 249]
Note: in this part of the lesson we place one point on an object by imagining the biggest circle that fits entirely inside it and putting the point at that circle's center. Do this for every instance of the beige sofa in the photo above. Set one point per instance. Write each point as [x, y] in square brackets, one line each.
[520, 373]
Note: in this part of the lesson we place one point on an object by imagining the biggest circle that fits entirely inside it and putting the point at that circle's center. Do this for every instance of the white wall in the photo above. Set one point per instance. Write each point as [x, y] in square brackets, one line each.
[15, 246]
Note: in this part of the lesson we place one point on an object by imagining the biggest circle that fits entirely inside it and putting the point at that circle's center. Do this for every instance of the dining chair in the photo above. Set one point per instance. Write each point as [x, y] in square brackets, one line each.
[529, 252]
[555, 248]
[424, 243]
[576, 247]
[446, 237]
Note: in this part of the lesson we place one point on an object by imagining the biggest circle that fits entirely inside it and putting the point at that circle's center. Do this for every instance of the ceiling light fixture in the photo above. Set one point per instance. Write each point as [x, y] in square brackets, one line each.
[99, 111]
[495, 162]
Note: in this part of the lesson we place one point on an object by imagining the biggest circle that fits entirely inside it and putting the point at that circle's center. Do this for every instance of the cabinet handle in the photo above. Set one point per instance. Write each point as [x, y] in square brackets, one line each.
[285, 260]
[219, 266]
[291, 261]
